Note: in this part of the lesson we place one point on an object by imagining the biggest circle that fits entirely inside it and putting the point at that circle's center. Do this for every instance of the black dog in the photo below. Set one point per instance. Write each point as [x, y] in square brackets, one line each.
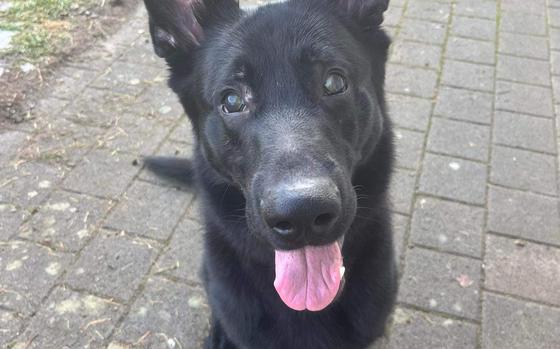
[293, 160]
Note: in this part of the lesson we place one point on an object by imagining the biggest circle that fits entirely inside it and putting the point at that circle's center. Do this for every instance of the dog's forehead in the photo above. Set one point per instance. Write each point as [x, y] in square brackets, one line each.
[282, 33]
[269, 41]
[288, 26]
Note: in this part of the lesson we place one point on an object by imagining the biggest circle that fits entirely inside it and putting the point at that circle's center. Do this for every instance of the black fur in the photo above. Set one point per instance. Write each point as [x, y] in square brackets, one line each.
[278, 58]
[177, 170]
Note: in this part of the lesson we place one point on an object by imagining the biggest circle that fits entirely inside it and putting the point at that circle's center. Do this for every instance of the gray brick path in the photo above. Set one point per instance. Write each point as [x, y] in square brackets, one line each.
[97, 253]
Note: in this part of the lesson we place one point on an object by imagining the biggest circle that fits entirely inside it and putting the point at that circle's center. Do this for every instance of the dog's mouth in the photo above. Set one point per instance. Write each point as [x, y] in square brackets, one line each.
[310, 278]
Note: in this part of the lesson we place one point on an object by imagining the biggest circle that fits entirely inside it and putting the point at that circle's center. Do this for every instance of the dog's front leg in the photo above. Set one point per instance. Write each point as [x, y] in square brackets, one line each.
[217, 339]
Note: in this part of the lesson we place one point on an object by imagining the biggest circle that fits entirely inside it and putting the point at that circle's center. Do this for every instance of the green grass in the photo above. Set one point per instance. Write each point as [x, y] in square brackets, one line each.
[39, 9]
[42, 27]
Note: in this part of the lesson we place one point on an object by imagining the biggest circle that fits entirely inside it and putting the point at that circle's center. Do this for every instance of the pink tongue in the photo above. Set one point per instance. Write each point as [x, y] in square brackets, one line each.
[308, 278]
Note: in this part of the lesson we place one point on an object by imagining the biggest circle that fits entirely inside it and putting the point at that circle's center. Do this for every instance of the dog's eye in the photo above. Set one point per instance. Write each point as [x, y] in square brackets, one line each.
[334, 84]
[233, 103]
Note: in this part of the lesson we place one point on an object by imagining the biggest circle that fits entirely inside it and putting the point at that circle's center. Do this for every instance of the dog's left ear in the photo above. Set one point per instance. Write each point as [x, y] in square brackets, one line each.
[178, 26]
[367, 13]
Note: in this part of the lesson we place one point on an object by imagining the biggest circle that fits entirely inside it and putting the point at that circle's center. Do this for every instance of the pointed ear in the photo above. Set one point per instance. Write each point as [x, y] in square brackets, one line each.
[367, 13]
[179, 25]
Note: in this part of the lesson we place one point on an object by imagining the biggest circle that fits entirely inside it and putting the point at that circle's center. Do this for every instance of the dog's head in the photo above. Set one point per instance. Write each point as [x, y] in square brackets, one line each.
[286, 102]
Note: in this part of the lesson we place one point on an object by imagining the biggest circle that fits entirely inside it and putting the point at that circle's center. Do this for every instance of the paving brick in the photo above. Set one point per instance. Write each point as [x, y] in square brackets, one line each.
[429, 10]
[402, 190]
[524, 131]
[39, 112]
[28, 185]
[411, 81]
[10, 144]
[422, 31]
[399, 3]
[523, 70]
[430, 282]
[60, 142]
[165, 313]
[12, 218]
[448, 226]
[475, 28]
[108, 174]
[157, 101]
[175, 148]
[10, 324]
[476, 8]
[130, 32]
[554, 17]
[454, 179]
[400, 227]
[194, 212]
[27, 272]
[554, 38]
[119, 77]
[391, 31]
[150, 210]
[524, 98]
[471, 50]
[533, 7]
[510, 323]
[464, 105]
[522, 23]
[141, 51]
[97, 108]
[523, 215]
[459, 139]
[528, 270]
[468, 75]
[65, 221]
[416, 54]
[97, 59]
[555, 62]
[70, 81]
[524, 170]
[409, 148]
[70, 320]
[392, 16]
[523, 45]
[410, 112]
[183, 132]
[113, 265]
[556, 87]
[413, 329]
[183, 257]
[139, 136]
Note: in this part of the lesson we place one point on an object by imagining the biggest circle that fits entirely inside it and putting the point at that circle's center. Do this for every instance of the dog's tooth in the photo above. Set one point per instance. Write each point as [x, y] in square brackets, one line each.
[342, 270]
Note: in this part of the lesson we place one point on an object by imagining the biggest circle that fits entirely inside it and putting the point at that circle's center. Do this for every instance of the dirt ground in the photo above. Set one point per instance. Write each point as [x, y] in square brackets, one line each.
[23, 80]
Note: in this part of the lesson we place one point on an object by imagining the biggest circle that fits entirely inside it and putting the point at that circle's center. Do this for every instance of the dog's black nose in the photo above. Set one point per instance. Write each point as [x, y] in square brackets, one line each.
[302, 207]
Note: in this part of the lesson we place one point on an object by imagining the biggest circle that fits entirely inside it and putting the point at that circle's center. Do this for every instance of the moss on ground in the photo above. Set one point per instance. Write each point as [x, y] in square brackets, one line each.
[42, 27]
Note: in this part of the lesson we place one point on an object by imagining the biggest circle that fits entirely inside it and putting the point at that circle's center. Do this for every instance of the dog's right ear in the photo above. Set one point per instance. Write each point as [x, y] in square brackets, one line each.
[368, 13]
[180, 25]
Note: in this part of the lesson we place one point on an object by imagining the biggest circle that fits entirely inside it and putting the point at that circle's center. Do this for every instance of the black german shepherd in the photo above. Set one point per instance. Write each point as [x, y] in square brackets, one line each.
[293, 161]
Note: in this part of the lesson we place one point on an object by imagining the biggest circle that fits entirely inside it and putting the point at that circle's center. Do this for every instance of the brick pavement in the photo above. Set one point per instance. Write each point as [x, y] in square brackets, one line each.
[97, 253]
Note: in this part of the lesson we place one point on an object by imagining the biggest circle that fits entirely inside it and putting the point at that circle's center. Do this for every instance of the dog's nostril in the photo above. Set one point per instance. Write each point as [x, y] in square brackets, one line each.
[323, 220]
[284, 228]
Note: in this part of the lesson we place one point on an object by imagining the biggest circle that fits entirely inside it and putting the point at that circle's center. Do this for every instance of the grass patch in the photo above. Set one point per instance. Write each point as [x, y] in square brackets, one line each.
[39, 9]
[42, 26]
